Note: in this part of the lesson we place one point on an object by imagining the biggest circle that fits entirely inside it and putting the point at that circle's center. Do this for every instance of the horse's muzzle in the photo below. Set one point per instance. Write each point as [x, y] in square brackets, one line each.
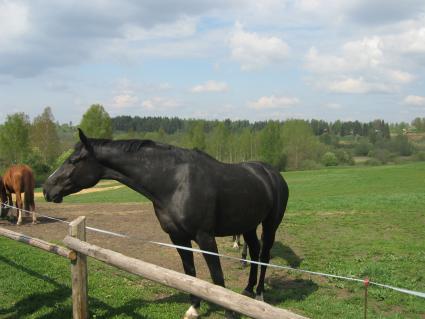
[55, 198]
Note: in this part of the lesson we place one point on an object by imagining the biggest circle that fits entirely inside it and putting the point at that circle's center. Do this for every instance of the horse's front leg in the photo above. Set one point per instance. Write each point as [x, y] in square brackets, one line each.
[189, 268]
[207, 242]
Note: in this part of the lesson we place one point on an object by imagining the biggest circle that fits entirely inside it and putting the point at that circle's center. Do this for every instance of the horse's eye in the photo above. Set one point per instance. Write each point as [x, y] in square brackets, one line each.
[74, 159]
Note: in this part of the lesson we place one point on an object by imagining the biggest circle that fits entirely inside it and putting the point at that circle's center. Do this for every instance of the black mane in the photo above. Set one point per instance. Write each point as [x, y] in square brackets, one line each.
[128, 146]
[135, 145]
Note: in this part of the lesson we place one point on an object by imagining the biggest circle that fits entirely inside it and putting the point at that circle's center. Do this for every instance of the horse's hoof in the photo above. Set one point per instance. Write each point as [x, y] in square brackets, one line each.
[248, 293]
[35, 222]
[235, 245]
[243, 263]
[18, 223]
[259, 297]
[191, 313]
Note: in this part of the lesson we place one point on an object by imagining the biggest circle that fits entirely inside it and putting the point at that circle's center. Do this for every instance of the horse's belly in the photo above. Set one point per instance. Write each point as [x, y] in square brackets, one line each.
[238, 219]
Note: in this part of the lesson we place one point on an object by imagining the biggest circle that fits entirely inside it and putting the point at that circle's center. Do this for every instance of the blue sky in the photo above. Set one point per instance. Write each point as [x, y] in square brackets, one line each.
[255, 60]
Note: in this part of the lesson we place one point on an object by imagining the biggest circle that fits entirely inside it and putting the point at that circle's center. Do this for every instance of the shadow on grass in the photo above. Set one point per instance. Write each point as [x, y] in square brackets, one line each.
[286, 252]
[288, 289]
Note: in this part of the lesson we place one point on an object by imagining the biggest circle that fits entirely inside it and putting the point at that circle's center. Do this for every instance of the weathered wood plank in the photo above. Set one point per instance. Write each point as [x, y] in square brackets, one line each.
[205, 290]
[35, 242]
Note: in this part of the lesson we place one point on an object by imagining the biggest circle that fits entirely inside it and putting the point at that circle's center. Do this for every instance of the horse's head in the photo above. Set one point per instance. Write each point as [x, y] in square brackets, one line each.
[80, 170]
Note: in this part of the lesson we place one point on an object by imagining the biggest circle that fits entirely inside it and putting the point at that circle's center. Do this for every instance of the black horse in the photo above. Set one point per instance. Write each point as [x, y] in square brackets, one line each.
[195, 197]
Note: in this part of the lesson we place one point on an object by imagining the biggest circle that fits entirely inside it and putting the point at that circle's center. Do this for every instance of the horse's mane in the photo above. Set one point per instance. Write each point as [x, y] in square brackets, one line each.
[128, 146]
[135, 145]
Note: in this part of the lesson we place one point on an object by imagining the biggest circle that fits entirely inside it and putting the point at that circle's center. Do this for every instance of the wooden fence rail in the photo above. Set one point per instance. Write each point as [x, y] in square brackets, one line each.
[35, 242]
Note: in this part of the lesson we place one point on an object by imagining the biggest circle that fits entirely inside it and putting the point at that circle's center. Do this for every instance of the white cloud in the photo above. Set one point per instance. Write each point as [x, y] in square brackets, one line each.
[358, 86]
[369, 65]
[400, 76]
[273, 102]
[13, 23]
[410, 40]
[160, 103]
[254, 51]
[356, 55]
[210, 86]
[125, 100]
[415, 100]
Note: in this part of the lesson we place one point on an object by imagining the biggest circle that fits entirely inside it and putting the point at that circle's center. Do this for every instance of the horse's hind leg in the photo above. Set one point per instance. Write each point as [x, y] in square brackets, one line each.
[253, 243]
[30, 206]
[268, 238]
[244, 254]
[189, 269]
[19, 207]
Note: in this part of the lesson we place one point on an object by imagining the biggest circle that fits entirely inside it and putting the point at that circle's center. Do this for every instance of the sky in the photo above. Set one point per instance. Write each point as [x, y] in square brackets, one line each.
[254, 60]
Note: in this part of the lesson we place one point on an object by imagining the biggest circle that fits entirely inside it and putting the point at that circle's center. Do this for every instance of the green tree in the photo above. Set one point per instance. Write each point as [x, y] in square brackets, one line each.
[419, 124]
[299, 143]
[14, 138]
[329, 159]
[218, 145]
[245, 145]
[44, 137]
[197, 135]
[401, 145]
[35, 159]
[271, 144]
[96, 122]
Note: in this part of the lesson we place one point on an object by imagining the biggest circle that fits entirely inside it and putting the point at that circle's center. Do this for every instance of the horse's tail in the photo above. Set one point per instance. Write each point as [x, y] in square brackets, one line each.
[3, 198]
[284, 189]
[29, 185]
[281, 198]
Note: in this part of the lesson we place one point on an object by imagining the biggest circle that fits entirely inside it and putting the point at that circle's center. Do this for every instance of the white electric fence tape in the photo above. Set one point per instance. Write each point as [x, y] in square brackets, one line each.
[195, 250]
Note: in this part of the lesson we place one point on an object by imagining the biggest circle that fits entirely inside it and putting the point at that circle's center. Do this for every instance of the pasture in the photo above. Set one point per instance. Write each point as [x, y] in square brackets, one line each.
[363, 221]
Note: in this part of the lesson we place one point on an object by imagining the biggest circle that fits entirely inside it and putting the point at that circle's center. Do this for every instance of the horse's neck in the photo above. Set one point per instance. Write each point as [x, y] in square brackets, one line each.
[139, 171]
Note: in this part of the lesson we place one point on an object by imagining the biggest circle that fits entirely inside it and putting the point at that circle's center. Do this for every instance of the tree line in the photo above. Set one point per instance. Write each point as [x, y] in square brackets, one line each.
[293, 144]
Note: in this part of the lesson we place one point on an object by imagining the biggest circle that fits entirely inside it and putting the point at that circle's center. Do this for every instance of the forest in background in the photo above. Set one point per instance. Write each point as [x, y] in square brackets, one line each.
[292, 144]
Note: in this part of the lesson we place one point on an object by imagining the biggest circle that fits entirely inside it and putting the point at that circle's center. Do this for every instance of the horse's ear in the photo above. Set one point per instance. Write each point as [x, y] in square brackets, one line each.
[83, 138]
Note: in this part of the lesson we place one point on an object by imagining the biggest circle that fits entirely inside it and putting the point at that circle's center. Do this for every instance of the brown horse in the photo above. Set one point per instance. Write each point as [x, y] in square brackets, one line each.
[20, 179]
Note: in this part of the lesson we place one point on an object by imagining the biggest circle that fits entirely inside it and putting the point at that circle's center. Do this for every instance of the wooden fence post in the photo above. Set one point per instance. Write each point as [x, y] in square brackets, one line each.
[77, 229]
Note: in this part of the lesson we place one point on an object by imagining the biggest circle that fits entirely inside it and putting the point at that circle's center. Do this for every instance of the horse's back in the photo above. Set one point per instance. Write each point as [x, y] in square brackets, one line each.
[18, 177]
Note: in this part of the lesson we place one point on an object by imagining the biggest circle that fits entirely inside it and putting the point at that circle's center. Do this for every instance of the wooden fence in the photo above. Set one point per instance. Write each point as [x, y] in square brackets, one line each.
[79, 250]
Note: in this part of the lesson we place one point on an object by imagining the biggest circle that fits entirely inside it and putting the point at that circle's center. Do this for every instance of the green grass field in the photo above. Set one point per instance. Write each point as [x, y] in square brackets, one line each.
[365, 221]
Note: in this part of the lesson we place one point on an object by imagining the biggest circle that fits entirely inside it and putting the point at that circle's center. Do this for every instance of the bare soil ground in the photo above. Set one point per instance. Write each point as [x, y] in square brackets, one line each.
[134, 219]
